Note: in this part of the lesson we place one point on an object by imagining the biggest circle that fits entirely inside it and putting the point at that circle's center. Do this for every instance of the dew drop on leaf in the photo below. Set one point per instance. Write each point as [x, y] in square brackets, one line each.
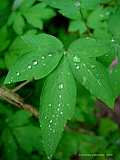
[35, 62]
[60, 96]
[77, 4]
[58, 109]
[61, 86]
[77, 67]
[76, 59]
[50, 55]
[50, 121]
[61, 112]
[59, 104]
[101, 15]
[112, 40]
[50, 105]
[29, 67]
[92, 66]
[42, 57]
[18, 73]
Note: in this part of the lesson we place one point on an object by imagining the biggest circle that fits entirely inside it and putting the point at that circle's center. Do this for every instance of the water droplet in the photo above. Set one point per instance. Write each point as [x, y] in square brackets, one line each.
[43, 57]
[53, 131]
[77, 4]
[58, 109]
[112, 40]
[18, 73]
[76, 59]
[77, 67]
[10, 81]
[87, 38]
[61, 112]
[44, 64]
[60, 96]
[93, 66]
[49, 157]
[65, 52]
[49, 105]
[88, 70]
[61, 86]
[50, 55]
[45, 117]
[59, 104]
[50, 121]
[50, 129]
[101, 15]
[35, 62]
[29, 66]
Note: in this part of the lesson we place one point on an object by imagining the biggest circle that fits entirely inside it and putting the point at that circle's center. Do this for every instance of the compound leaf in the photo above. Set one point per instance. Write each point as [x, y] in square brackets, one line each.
[57, 105]
[37, 13]
[42, 55]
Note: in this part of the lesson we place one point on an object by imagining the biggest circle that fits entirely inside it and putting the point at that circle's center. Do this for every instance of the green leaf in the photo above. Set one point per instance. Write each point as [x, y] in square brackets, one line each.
[41, 55]
[107, 126]
[10, 147]
[18, 48]
[16, 4]
[77, 25]
[57, 105]
[67, 146]
[28, 137]
[26, 4]
[114, 24]
[3, 38]
[90, 47]
[20, 132]
[18, 24]
[20, 118]
[115, 79]
[69, 8]
[37, 13]
[93, 76]
[97, 19]
[89, 4]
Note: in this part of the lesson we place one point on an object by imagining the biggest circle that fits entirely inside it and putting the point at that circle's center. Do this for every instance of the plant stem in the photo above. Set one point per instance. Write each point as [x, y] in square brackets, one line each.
[16, 100]
[20, 86]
